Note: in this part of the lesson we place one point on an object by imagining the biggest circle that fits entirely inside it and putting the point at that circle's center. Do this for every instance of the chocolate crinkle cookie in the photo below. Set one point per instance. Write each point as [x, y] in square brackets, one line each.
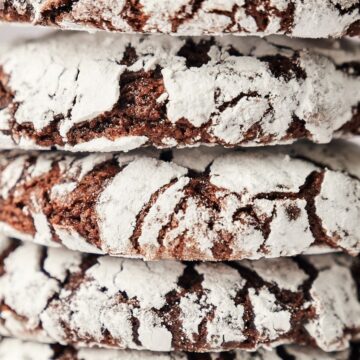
[14, 349]
[199, 204]
[310, 18]
[58, 296]
[83, 92]
[162, 306]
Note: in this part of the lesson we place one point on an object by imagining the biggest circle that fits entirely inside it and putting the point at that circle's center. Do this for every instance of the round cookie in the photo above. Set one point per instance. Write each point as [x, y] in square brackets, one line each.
[11, 349]
[163, 306]
[81, 92]
[194, 204]
[311, 18]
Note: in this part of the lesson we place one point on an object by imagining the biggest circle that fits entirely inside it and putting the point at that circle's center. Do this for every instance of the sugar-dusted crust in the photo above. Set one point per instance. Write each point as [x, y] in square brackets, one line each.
[14, 349]
[311, 18]
[58, 296]
[82, 92]
[195, 204]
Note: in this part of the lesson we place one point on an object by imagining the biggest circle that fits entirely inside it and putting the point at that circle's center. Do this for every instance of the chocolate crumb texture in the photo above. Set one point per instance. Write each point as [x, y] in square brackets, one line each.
[82, 92]
[189, 204]
[90, 300]
[311, 18]
[11, 349]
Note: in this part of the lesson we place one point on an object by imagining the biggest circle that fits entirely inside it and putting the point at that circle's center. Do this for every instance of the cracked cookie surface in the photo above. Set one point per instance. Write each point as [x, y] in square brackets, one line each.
[11, 349]
[89, 300]
[311, 18]
[190, 204]
[82, 92]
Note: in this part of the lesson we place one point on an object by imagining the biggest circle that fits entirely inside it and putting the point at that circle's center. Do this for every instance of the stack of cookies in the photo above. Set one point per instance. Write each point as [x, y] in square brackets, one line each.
[180, 197]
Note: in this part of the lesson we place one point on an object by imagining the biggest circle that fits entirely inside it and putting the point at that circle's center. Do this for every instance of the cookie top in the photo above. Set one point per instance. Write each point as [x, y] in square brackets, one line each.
[311, 18]
[190, 204]
[11, 349]
[162, 306]
[83, 92]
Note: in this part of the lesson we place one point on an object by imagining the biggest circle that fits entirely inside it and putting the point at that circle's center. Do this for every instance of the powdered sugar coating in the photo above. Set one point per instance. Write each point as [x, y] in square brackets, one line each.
[243, 204]
[11, 175]
[332, 223]
[78, 92]
[21, 350]
[327, 333]
[302, 19]
[287, 270]
[270, 319]
[116, 221]
[98, 303]
[11, 349]
[25, 272]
